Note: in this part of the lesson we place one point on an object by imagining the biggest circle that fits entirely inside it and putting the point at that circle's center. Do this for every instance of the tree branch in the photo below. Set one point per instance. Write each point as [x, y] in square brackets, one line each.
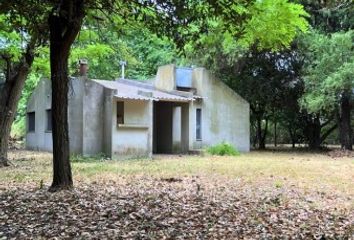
[329, 131]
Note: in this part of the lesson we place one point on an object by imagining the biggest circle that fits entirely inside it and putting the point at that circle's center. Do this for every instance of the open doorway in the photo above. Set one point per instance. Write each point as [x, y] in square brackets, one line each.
[162, 134]
[170, 131]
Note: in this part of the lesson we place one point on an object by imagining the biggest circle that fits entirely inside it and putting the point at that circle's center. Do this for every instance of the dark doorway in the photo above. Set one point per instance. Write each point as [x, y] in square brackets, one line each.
[162, 134]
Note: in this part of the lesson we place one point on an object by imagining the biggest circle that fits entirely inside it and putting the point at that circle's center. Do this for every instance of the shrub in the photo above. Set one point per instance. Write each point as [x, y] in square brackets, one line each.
[223, 149]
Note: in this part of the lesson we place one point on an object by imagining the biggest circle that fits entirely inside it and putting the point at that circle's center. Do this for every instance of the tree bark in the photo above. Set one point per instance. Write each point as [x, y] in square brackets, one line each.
[64, 25]
[261, 134]
[275, 134]
[313, 133]
[10, 93]
[292, 137]
[345, 129]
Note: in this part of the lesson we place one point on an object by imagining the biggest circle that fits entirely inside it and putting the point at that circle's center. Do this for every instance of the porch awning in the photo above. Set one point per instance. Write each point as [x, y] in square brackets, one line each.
[142, 92]
[133, 97]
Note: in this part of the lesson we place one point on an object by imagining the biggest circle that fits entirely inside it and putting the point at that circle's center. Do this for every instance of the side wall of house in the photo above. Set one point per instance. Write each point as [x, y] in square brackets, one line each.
[39, 102]
[225, 115]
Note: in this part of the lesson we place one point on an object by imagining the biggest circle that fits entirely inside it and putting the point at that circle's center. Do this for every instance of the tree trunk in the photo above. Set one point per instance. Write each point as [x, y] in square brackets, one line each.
[275, 134]
[10, 93]
[64, 25]
[313, 133]
[346, 136]
[292, 137]
[262, 143]
[261, 134]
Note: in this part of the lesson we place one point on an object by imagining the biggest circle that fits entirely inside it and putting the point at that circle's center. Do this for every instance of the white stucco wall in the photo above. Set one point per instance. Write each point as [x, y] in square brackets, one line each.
[39, 102]
[165, 78]
[134, 137]
[225, 115]
[93, 118]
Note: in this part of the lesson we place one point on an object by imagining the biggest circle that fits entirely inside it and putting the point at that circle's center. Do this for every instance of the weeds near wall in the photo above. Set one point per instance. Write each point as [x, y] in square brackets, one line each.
[223, 149]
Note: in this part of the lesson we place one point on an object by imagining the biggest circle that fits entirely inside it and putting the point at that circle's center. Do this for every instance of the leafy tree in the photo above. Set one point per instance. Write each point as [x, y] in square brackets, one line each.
[329, 81]
[330, 16]
[244, 56]
[20, 35]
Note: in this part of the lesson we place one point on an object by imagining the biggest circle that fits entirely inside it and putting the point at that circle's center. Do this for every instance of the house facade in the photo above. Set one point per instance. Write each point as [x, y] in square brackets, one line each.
[181, 110]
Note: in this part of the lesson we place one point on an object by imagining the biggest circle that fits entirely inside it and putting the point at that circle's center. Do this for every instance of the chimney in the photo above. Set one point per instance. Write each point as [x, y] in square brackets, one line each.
[83, 67]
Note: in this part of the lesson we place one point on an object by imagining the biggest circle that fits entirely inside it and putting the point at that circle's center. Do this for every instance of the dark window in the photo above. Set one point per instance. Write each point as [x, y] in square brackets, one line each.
[199, 124]
[49, 120]
[120, 112]
[31, 118]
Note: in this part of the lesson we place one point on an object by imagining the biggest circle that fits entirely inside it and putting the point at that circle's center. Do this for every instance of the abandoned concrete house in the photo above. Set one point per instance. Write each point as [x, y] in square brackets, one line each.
[181, 110]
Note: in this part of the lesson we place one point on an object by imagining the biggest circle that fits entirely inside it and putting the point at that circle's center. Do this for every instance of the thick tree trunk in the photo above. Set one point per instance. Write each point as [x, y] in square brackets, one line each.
[63, 31]
[313, 134]
[10, 93]
[62, 177]
[345, 129]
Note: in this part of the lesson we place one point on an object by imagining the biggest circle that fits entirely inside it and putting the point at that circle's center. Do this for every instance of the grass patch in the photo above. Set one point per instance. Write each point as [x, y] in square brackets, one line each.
[77, 158]
[309, 171]
[223, 149]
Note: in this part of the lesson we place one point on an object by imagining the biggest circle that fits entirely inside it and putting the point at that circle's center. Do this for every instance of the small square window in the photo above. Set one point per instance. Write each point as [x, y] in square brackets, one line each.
[49, 120]
[31, 124]
[120, 112]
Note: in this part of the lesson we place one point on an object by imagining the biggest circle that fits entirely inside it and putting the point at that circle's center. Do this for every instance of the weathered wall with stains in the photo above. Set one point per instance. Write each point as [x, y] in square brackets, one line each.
[85, 109]
[165, 78]
[39, 102]
[225, 115]
[134, 137]
[75, 114]
[93, 118]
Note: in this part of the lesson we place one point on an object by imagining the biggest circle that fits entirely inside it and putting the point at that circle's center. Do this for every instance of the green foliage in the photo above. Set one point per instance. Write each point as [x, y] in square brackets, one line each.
[329, 71]
[10, 40]
[18, 129]
[223, 149]
[263, 25]
[274, 24]
[330, 16]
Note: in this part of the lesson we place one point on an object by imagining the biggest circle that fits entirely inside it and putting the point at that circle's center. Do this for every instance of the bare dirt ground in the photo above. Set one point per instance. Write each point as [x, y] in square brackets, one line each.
[260, 195]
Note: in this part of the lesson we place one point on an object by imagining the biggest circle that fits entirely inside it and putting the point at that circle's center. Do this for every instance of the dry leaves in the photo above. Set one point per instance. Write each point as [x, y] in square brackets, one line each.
[187, 208]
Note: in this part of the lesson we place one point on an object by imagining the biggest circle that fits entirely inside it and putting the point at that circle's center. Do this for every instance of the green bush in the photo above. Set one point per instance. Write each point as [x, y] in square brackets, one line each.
[18, 129]
[223, 149]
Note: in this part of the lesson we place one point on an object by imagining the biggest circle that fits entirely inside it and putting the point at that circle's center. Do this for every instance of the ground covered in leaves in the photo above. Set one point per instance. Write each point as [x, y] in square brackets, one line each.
[180, 206]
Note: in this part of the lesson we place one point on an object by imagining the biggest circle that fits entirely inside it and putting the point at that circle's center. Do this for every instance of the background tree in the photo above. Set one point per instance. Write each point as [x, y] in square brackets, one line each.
[248, 60]
[329, 81]
[20, 34]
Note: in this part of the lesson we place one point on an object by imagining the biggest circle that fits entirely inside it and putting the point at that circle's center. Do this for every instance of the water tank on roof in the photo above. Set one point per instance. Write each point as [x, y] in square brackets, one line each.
[184, 77]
